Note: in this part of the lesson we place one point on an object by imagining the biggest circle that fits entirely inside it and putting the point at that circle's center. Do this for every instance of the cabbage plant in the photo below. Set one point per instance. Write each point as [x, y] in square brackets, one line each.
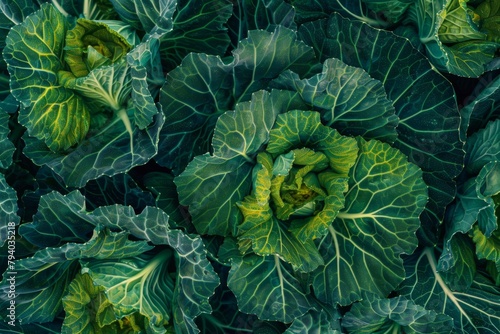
[249, 166]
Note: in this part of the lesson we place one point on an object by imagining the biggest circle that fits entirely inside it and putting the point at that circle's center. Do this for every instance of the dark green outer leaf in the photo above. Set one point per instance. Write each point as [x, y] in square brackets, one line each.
[198, 27]
[260, 58]
[348, 99]
[145, 105]
[48, 328]
[308, 11]
[459, 270]
[146, 15]
[59, 219]
[162, 186]
[476, 310]
[315, 322]
[119, 189]
[428, 131]
[147, 77]
[225, 317]
[392, 10]
[17, 10]
[482, 147]
[245, 130]
[373, 315]
[196, 280]
[8, 211]
[259, 14]
[192, 106]
[484, 107]
[211, 186]
[39, 293]
[96, 9]
[265, 286]
[137, 284]
[473, 203]
[461, 215]
[7, 148]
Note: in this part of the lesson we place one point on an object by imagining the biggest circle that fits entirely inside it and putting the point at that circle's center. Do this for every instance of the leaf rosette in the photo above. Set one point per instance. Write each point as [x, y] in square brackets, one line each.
[299, 183]
[460, 36]
[292, 195]
[86, 92]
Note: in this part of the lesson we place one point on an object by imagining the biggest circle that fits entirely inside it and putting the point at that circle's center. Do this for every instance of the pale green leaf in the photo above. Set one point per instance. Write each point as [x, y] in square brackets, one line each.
[487, 247]
[297, 129]
[470, 58]
[238, 136]
[137, 284]
[458, 25]
[87, 308]
[105, 87]
[194, 271]
[270, 236]
[51, 113]
[87, 34]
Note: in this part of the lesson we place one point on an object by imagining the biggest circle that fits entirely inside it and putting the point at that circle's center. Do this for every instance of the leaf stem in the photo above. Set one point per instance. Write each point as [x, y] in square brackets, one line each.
[86, 9]
[122, 114]
[60, 8]
[428, 251]
[280, 275]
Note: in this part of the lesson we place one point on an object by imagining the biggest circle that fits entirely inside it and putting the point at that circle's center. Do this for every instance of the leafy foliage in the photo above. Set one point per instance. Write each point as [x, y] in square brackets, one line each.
[249, 166]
